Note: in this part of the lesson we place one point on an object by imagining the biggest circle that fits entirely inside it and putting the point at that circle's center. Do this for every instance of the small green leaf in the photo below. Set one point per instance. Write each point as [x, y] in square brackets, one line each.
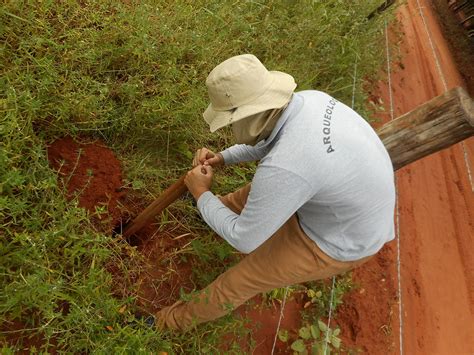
[138, 184]
[336, 332]
[336, 342]
[304, 333]
[311, 293]
[283, 335]
[322, 326]
[298, 345]
[315, 332]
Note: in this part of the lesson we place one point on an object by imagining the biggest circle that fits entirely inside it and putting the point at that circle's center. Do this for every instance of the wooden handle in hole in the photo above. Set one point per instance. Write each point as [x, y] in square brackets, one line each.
[170, 195]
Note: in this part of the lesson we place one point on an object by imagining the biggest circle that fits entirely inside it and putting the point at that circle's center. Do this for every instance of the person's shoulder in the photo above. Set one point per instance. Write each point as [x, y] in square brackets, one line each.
[314, 97]
[312, 93]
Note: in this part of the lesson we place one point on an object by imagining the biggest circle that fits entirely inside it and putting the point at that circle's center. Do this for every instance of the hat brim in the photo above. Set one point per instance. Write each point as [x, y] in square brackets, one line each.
[277, 95]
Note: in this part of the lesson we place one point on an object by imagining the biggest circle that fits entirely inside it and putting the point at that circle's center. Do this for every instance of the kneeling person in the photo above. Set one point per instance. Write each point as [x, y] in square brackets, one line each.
[322, 198]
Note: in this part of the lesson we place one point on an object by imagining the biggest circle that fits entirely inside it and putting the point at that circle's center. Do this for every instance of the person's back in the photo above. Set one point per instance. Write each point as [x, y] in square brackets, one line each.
[350, 213]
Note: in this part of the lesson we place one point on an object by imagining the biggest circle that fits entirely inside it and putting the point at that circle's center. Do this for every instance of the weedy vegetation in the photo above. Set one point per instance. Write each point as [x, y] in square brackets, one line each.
[315, 336]
[318, 337]
[132, 73]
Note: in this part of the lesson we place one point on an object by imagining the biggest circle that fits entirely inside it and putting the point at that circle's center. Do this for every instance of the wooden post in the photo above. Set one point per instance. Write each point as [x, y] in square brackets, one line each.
[437, 124]
[170, 195]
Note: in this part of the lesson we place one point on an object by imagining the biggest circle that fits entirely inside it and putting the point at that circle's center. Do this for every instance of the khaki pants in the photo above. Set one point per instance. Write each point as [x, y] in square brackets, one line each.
[288, 257]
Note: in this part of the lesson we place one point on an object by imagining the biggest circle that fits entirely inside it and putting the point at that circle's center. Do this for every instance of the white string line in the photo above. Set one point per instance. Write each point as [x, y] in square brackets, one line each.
[330, 314]
[443, 79]
[354, 84]
[279, 320]
[397, 207]
[468, 166]
[389, 73]
[438, 65]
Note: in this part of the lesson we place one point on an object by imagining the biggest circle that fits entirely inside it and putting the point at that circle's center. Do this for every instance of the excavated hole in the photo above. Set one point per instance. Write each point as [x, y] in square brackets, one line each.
[134, 240]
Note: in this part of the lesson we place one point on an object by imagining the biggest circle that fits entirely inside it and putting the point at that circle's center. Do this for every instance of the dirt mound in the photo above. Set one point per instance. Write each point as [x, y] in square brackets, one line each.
[91, 172]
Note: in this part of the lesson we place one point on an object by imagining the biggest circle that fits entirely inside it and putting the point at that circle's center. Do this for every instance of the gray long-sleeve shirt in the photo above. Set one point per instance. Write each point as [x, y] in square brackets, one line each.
[325, 163]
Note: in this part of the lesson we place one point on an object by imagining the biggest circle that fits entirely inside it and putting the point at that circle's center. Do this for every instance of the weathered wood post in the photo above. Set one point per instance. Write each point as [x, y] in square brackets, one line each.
[433, 126]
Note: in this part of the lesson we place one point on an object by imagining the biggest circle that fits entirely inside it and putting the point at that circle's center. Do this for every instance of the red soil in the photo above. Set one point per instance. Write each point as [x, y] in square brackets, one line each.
[263, 321]
[366, 314]
[20, 333]
[92, 172]
[164, 275]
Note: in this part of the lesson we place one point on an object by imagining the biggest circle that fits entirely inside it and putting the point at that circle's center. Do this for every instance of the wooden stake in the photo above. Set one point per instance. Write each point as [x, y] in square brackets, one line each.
[170, 195]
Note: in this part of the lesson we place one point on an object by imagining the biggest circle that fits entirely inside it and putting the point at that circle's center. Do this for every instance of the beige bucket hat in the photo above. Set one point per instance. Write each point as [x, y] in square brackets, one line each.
[241, 86]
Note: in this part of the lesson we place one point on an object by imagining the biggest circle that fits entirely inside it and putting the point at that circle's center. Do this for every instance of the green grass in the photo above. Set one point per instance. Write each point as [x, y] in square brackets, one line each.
[133, 75]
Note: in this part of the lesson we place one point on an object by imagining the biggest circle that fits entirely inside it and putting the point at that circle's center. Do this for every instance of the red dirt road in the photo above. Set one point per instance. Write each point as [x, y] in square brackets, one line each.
[436, 220]
[436, 207]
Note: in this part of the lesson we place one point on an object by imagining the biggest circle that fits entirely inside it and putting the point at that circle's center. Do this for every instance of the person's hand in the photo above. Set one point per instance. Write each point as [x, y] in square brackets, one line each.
[204, 156]
[199, 180]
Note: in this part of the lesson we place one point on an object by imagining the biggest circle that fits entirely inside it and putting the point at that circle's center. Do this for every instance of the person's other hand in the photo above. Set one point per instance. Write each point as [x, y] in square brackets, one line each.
[204, 156]
[199, 180]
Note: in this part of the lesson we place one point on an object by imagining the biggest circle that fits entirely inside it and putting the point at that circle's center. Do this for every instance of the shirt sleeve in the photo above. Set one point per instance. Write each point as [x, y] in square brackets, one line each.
[242, 152]
[276, 194]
